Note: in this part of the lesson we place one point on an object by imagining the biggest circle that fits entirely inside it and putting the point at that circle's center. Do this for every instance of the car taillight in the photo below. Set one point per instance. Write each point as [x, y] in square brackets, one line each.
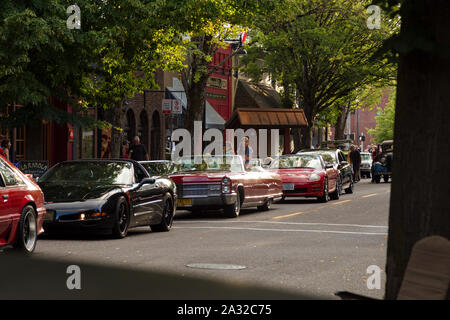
[226, 185]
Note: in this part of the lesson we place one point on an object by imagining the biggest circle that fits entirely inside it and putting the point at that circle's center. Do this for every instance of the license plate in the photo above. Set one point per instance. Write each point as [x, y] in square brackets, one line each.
[288, 186]
[49, 215]
[184, 202]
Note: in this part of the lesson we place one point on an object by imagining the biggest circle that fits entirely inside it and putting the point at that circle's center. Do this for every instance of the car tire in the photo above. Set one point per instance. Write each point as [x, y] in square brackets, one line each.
[122, 219]
[266, 205]
[386, 178]
[337, 193]
[167, 216]
[27, 231]
[326, 196]
[349, 190]
[377, 179]
[233, 210]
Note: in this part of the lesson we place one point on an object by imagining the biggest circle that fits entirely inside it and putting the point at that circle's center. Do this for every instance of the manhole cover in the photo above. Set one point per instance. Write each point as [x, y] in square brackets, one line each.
[215, 266]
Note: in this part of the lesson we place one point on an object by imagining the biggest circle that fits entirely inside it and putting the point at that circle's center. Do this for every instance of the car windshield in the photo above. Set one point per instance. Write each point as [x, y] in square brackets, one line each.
[366, 157]
[159, 168]
[297, 161]
[98, 172]
[327, 156]
[211, 163]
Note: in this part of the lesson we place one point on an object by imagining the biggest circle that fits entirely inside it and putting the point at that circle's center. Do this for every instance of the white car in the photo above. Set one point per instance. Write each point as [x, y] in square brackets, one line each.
[366, 164]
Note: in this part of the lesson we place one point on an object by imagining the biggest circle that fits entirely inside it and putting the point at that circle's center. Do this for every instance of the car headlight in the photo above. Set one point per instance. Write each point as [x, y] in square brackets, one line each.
[226, 185]
[314, 177]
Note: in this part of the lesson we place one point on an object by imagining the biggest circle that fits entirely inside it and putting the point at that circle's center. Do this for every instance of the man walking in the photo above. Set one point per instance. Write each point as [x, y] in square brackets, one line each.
[355, 157]
[137, 151]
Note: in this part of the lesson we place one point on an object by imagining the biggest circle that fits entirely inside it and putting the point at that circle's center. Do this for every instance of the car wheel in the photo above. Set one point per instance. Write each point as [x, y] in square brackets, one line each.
[27, 232]
[326, 195]
[377, 179]
[336, 194]
[167, 216]
[386, 178]
[233, 210]
[349, 190]
[265, 206]
[120, 229]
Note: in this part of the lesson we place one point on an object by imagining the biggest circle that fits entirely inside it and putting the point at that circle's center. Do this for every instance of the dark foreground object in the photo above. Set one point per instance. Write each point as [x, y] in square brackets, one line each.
[34, 278]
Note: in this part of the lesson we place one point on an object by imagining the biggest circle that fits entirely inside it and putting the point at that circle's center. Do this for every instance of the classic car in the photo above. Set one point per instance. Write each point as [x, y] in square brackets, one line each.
[223, 182]
[337, 158]
[158, 168]
[366, 164]
[107, 196]
[21, 209]
[307, 175]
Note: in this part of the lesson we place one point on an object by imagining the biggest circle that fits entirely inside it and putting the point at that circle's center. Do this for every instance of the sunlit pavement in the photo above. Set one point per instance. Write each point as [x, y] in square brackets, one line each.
[299, 245]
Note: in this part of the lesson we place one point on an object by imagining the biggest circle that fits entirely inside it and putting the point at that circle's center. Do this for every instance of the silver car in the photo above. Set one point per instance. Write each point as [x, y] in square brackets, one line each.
[366, 164]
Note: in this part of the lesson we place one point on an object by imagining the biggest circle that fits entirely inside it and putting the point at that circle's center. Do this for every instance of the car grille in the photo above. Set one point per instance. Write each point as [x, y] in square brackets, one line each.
[198, 190]
[297, 190]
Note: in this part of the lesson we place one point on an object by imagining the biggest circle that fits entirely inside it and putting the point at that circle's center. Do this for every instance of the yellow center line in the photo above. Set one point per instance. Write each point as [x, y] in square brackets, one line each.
[289, 215]
[340, 202]
[369, 195]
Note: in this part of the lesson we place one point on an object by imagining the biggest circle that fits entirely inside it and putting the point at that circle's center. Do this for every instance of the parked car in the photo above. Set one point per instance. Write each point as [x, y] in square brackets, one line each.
[307, 175]
[366, 164]
[224, 183]
[21, 209]
[108, 196]
[159, 168]
[337, 158]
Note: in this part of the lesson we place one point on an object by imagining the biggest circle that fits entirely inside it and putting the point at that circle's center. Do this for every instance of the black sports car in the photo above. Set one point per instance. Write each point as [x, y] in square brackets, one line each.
[110, 196]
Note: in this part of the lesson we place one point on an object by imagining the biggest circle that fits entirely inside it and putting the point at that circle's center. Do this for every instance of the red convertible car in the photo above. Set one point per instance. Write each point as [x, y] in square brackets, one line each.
[307, 175]
[223, 182]
[21, 209]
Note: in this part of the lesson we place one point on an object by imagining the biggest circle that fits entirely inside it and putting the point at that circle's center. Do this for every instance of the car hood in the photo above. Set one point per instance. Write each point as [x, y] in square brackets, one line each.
[200, 176]
[58, 193]
[295, 174]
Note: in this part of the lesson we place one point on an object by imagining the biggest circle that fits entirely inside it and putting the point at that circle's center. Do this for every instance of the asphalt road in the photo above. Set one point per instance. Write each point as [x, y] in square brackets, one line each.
[300, 245]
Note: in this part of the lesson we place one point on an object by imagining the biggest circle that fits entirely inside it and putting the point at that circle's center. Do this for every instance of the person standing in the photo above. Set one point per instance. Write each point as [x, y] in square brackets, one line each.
[355, 157]
[246, 150]
[5, 147]
[125, 149]
[137, 151]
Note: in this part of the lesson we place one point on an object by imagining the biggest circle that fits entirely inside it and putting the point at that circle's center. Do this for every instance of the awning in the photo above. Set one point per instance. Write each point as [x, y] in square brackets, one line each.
[268, 118]
[251, 94]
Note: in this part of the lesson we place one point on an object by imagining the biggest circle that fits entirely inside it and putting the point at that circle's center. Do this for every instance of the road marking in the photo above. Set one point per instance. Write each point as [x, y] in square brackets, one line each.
[369, 195]
[288, 230]
[281, 222]
[289, 215]
[340, 202]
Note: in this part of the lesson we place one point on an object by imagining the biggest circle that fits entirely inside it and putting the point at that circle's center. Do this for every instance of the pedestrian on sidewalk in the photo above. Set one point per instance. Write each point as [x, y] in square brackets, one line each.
[137, 151]
[4, 148]
[125, 149]
[355, 157]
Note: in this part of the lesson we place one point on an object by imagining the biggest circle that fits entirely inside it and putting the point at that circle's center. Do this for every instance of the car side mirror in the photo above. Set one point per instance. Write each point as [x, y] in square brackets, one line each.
[144, 182]
[329, 166]
[344, 163]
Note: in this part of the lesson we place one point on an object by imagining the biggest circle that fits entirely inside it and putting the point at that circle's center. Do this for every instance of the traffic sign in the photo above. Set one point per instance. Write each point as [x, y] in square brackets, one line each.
[167, 106]
[177, 107]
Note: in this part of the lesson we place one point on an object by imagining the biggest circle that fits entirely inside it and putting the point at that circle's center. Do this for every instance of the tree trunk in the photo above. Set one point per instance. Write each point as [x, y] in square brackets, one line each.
[297, 137]
[306, 132]
[419, 205]
[196, 104]
[114, 116]
[339, 133]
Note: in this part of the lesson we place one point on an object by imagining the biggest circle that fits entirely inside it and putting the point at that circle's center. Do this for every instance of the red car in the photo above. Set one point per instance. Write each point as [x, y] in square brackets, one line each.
[21, 209]
[307, 175]
[216, 183]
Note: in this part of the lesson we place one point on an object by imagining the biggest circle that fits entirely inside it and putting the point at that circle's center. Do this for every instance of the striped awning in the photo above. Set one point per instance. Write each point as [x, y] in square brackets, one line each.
[269, 118]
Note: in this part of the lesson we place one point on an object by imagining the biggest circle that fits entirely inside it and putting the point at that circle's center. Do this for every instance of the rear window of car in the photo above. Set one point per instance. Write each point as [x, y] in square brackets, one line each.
[10, 177]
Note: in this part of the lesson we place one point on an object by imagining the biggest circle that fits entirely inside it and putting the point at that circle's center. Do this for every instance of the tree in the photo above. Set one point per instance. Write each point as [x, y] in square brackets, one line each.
[419, 204]
[113, 56]
[384, 129]
[206, 25]
[40, 58]
[325, 49]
